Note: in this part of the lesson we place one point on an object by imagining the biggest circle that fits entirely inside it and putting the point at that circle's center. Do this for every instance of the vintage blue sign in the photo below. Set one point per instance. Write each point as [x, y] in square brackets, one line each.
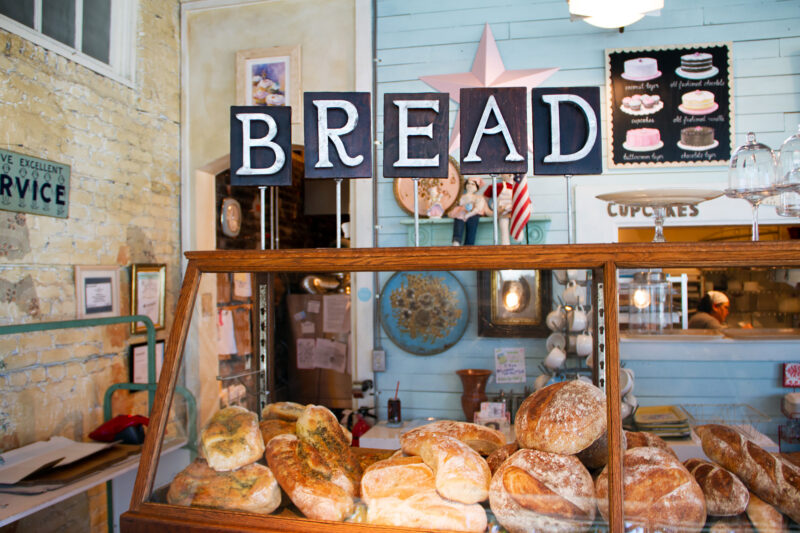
[32, 185]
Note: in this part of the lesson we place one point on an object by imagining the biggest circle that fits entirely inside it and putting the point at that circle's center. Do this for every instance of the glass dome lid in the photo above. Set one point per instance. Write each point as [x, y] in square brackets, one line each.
[752, 167]
[789, 158]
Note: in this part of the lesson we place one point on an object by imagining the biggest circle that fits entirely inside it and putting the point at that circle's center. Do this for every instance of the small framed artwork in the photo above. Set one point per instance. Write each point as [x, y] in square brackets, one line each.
[270, 77]
[138, 361]
[148, 295]
[513, 303]
[97, 291]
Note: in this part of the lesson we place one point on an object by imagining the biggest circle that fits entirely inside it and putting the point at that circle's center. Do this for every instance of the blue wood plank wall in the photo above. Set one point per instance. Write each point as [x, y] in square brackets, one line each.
[424, 37]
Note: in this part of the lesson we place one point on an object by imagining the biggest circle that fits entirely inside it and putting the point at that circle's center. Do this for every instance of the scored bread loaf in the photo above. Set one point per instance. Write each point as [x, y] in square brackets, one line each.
[540, 491]
[482, 439]
[289, 411]
[303, 475]
[401, 491]
[659, 494]
[596, 455]
[231, 439]
[772, 478]
[250, 488]
[564, 417]
[318, 427]
[765, 517]
[461, 474]
[499, 456]
[725, 494]
[644, 439]
[273, 427]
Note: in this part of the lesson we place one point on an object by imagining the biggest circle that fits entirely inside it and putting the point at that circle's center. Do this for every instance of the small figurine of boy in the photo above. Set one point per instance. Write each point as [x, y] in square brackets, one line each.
[504, 199]
[468, 212]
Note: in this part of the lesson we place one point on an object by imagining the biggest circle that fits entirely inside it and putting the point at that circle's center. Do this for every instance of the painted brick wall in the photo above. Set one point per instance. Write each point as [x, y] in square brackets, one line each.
[122, 145]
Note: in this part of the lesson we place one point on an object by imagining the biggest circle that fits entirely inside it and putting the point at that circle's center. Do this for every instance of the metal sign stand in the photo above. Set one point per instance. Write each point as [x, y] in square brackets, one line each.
[568, 177]
[338, 212]
[416, 211]
[494, 209]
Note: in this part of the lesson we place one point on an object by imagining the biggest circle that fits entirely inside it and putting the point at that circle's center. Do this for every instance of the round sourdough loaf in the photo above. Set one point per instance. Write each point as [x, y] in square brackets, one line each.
[499, 456]
[290, 411]
[250, 488]
[659, 494]
[643, 439]
[541, 491]
[564, 417]
[725, 494]
[482, 439]
[596, 455]
[231, 439]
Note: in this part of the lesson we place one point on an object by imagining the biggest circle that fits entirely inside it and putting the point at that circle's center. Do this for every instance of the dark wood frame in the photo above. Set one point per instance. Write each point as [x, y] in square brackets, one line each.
[604, 259]
[487, 327]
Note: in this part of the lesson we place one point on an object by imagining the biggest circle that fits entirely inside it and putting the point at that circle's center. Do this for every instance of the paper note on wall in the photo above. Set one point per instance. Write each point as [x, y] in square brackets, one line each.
[313, 306]
[307, 328]
[331, 355]
[509, 365]
[226, 342]
[305, 353]
[241, 285]
[336, 313]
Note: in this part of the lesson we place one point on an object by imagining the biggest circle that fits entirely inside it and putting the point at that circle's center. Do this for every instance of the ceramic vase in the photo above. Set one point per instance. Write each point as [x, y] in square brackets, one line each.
[473, 381]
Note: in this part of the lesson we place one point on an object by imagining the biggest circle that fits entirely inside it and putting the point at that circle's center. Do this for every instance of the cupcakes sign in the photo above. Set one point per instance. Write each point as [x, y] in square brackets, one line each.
[670, 106]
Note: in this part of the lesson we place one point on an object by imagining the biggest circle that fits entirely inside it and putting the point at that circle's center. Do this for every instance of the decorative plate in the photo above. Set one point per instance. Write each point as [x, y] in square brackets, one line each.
[231, 217]
[449, 190]
[660, 197]
[424, 313]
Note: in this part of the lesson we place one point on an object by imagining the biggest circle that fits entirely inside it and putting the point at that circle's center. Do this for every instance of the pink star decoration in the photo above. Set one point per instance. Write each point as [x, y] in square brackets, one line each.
[487, 71]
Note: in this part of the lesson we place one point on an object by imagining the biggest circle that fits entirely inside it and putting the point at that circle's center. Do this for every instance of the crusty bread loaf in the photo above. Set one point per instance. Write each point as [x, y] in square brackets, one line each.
[250, 488]
[318, 427]
[659, 494]
[231, 439]
[273, 427]
[730, 524]
[482, 439]
[596, 455]
[499, 456]
[764, 517]
[772, 478]
[725, 494]
[540, 491]
[401, 491]
[461, 474]
[302, 473]
[289, 411]
[564, 417]
[645, 439]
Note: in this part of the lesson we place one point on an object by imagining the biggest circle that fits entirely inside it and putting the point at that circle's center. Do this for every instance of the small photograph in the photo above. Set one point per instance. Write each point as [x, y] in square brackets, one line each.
[697, 66]
[698, 103]
[642, 104]
[697, 138]
[641, 69]
[643, 140]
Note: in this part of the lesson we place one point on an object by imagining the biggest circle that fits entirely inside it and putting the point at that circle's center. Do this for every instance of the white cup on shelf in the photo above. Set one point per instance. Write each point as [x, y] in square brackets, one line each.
[540, 381]
[574, 294]
[556, 339]
[584, 344]
[556, 319]
[577, 320]
[576, 275]
[555, 358]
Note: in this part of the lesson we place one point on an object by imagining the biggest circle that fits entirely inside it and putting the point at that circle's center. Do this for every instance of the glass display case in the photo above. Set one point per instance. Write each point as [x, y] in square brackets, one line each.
[429, 303]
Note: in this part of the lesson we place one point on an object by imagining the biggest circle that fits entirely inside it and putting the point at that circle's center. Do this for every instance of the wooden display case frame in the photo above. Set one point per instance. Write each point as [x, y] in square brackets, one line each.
[602, 259]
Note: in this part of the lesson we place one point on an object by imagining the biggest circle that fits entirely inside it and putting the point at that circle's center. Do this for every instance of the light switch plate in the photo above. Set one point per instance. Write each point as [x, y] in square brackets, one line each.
[378, 361]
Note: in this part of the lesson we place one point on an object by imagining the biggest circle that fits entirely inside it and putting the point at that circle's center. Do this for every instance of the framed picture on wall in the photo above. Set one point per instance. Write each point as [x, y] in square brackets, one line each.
[148, 295]
[97, 291]
[270, 77]
[138, 362]
[513, 303]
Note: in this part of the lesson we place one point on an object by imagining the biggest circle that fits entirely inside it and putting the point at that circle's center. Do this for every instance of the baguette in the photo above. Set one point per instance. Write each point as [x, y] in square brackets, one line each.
[764, 517]
[772, 478]
[725, 494]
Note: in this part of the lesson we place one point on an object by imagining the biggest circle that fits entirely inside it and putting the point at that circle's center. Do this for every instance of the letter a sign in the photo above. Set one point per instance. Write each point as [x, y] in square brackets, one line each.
[261, 145]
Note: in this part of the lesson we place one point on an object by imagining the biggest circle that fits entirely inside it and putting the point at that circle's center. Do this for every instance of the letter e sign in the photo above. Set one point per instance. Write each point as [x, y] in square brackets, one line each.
[261, 145]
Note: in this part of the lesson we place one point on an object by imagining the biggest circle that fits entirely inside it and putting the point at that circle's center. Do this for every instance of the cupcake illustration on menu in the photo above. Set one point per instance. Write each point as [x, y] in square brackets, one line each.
[698, 103]
[641, 69]
[642, 104]
[697, 66]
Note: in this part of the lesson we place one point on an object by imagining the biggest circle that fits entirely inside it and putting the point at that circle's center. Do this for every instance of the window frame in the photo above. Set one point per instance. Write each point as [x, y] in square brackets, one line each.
[122, 45]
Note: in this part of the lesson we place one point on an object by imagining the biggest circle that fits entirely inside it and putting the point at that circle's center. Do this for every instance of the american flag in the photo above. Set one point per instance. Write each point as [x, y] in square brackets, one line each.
[520, 206]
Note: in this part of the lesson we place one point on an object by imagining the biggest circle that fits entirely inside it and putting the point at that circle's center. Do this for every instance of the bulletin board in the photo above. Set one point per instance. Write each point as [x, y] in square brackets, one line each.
[670, 106]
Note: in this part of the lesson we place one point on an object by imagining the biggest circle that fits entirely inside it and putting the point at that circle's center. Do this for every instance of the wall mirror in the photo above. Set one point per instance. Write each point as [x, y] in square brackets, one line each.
[513, 303]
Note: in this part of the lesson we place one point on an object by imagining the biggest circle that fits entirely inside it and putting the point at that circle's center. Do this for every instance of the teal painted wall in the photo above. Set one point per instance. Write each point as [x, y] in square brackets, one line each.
[424, 37]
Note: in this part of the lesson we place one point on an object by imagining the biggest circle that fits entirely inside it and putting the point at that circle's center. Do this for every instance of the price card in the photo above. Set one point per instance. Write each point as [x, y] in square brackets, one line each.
[509, 365]
[791, 374]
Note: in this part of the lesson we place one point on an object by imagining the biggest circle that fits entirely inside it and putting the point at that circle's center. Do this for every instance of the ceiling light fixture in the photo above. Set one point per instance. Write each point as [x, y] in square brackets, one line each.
[613, 13]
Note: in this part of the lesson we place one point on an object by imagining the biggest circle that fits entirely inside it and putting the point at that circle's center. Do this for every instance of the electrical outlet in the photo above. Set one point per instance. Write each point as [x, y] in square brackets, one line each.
[378, 361]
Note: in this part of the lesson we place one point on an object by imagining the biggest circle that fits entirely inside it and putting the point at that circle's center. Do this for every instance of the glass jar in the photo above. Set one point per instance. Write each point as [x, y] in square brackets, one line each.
[650, 302]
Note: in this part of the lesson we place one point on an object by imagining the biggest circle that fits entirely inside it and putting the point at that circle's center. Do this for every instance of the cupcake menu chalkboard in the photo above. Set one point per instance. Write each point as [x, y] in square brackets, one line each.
[670, 106]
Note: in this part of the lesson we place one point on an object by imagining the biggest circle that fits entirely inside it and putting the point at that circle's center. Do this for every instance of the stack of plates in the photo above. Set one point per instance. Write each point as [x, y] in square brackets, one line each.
[666, 421]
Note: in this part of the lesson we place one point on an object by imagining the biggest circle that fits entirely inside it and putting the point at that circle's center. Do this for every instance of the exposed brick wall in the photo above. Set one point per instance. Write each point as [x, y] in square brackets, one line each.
[122, 145]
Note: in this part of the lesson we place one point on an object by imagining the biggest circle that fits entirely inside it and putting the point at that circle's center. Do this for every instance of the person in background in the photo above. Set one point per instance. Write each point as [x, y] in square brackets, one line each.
[711, 312]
